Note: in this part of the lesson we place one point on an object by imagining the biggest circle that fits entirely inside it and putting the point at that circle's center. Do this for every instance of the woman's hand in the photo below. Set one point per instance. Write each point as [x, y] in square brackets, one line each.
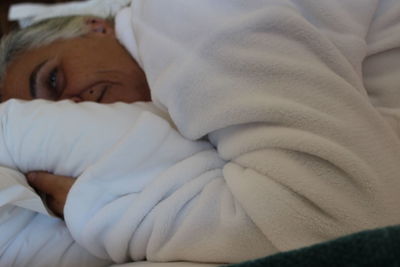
[55, 187]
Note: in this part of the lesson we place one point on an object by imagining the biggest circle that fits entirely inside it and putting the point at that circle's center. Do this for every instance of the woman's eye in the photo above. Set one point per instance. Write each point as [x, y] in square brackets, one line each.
[52, 81]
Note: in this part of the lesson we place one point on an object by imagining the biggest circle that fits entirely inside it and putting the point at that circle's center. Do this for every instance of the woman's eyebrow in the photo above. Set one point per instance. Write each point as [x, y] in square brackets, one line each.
[33, 79]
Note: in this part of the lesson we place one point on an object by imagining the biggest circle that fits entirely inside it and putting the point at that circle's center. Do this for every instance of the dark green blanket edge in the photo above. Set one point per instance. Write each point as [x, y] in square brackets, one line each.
[379, 247]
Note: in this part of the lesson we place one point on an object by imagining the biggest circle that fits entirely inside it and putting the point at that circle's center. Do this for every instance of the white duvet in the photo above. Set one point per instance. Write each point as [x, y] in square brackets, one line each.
[299, 98]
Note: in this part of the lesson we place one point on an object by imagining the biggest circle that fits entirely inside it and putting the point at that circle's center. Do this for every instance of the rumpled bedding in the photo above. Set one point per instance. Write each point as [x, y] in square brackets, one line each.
[293, 96]
[67, 139]
[127, 153]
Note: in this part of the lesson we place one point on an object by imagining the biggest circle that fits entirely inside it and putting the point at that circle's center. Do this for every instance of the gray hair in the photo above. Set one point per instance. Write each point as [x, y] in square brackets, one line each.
[39, 34]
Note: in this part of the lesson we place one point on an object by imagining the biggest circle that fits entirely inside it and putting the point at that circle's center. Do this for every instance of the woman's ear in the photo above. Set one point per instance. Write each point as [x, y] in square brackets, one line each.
[100, 25]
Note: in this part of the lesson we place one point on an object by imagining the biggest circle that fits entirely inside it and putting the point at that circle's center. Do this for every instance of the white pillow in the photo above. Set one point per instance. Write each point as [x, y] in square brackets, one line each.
[60, 137]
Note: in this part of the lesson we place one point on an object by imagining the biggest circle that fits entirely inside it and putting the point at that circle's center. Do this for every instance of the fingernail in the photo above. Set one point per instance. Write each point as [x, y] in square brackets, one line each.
[31, 176]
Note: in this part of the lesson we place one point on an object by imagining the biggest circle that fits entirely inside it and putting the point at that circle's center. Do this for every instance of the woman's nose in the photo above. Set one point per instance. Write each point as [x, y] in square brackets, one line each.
[76, 99]
[93, 94]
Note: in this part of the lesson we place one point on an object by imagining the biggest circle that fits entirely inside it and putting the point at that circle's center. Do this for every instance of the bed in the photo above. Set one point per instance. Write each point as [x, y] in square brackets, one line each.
[300, 106]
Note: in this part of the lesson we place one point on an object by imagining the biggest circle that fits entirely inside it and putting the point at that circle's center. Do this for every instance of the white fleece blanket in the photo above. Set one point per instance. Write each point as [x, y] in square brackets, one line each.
[296, 98]
[309, 152]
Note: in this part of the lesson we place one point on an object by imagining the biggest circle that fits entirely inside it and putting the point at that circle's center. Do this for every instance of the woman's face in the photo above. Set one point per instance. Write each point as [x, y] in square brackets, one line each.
[94, 67]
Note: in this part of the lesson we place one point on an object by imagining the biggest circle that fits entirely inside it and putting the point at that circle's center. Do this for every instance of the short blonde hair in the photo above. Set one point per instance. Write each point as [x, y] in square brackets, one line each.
[39, 34]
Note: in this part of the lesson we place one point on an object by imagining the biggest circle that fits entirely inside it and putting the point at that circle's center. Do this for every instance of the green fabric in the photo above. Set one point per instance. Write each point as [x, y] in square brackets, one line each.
[379, 247]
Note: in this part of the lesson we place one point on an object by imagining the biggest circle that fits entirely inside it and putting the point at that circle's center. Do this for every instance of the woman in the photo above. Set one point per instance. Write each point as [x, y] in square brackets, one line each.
[278, 89]
[60, 59]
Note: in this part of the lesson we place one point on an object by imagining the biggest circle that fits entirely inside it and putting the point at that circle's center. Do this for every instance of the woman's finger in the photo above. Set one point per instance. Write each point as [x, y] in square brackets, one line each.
[55, 206]
[50, 184]
[56, 188]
